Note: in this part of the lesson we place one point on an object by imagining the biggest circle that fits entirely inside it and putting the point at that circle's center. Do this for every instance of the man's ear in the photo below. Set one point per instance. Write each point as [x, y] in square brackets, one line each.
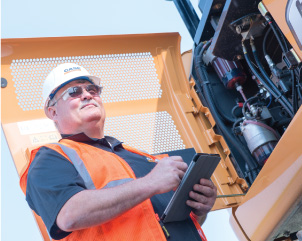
[52, 112]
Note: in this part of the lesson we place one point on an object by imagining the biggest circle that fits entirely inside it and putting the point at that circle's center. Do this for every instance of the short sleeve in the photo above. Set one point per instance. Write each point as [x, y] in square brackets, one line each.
[52, 181]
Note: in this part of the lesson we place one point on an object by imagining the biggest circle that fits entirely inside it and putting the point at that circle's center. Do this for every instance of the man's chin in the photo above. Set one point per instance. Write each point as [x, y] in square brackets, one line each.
[93, 117]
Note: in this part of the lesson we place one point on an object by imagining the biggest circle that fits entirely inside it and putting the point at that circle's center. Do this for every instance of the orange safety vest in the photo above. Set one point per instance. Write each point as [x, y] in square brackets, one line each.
[138, 223]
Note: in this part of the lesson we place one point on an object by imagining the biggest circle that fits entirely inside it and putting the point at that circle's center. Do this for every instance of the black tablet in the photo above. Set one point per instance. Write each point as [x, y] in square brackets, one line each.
[202, 166]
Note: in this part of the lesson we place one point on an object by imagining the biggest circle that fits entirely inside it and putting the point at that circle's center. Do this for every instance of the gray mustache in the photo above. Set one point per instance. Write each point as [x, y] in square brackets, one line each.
[92, 101]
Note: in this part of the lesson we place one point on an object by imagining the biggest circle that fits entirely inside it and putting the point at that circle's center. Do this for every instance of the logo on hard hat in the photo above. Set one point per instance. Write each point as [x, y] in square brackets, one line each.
[66, 71]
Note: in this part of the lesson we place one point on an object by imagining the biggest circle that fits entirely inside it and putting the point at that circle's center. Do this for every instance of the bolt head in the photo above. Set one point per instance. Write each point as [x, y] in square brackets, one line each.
[3, 82]
[238, 29]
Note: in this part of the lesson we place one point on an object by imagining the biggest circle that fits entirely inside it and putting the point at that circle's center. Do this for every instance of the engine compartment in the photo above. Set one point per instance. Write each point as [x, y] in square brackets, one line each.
[248, 75]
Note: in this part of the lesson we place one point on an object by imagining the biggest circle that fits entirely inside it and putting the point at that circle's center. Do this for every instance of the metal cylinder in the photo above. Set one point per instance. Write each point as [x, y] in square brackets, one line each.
[260, 141]
[229, 72]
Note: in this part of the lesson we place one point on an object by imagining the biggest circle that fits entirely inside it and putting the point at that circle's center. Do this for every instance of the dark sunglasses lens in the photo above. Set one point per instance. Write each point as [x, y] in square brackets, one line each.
[93, 89]
[75, 91]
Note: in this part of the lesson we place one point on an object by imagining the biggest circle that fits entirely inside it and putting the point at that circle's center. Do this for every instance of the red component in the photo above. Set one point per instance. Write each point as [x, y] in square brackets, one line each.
[263, 152]
[229, 72]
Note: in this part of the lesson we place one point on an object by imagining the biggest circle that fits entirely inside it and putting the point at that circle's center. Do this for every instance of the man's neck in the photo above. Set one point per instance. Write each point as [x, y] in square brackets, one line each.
[99, 134]
[95, 132]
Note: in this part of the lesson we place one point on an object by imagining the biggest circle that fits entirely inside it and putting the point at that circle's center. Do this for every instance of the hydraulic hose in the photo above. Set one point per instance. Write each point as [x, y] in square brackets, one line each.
[283, 100]
[299, 73]
[234, 110]
[264, 74]
[294, 87]
[265, 40]
[202, 79]
[274, 28]
[294, 92]
[198, 49]
[266, 82]
[201, 50]
[236, 123]
[282, 36]
[225, 117]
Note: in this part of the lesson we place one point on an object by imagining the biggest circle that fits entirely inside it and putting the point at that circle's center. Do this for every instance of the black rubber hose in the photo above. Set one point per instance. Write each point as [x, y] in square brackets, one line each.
[198, 49]
[282, 99]
[224, 116]
[284, 48]
[278, 95]
[294, 92]
[299, 73]
[299, 80]
[282, 37]
[274, 28]
[203, 80]
[234, 110]
[263, 72]
[265, 40]
[236, 123]
[299, 92]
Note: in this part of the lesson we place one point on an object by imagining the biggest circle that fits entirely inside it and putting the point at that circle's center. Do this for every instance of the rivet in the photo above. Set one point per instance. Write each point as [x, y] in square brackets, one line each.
[3, 82]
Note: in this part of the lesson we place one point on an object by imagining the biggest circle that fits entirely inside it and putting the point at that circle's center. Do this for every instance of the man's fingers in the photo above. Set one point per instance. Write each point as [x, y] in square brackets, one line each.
[199, 208]
[181, 166]
[200, 203]
[205, 190]
[181, 174]
[198, 197]
[206, 182]
[176, 158]
[203, 197]
[178, 162]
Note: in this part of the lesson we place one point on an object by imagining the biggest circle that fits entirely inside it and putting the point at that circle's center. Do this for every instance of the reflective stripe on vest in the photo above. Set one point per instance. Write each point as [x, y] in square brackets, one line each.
[78, 164]
[118, 182]
[81, 169]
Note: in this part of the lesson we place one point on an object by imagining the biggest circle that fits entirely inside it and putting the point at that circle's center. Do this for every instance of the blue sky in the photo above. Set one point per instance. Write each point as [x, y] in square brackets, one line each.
[33, 18]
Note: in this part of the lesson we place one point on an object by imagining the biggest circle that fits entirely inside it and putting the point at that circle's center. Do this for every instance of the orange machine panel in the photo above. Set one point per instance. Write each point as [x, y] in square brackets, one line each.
[288, 17]
[274, 199]
[145, 90]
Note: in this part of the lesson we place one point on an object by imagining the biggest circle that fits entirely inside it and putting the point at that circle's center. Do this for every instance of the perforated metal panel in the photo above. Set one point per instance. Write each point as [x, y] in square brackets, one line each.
[125, 77]
[152, 132]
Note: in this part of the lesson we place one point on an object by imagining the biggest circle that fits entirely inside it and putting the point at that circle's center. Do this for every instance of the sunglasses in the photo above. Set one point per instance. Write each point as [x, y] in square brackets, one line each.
[77, 91]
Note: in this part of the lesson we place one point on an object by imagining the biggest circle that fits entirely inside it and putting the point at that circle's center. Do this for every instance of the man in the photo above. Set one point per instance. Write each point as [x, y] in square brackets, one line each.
[118, 193]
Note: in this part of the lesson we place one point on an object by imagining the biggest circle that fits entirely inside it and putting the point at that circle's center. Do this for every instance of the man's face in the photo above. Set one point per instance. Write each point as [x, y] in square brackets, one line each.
[75, 115]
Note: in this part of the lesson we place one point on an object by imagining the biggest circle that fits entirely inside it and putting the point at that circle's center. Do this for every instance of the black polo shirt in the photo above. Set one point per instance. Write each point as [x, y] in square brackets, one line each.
[53, 180]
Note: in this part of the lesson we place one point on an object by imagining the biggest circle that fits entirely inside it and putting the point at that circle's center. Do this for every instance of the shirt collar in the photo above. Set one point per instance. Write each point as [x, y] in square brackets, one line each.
[82, 137]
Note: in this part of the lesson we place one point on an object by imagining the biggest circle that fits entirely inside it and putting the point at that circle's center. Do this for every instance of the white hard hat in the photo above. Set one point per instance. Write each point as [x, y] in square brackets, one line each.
[62, 75]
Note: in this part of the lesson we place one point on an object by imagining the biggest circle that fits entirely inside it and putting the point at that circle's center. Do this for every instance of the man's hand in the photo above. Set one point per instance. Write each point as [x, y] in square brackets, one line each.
[167, 174]
[204, 195]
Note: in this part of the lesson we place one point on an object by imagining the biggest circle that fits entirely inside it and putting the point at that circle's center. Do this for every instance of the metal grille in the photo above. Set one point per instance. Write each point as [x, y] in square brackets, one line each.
[125, 77]
[152, 132]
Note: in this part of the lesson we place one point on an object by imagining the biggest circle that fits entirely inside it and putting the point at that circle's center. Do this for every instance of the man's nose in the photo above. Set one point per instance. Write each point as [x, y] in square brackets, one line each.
[86, 95]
